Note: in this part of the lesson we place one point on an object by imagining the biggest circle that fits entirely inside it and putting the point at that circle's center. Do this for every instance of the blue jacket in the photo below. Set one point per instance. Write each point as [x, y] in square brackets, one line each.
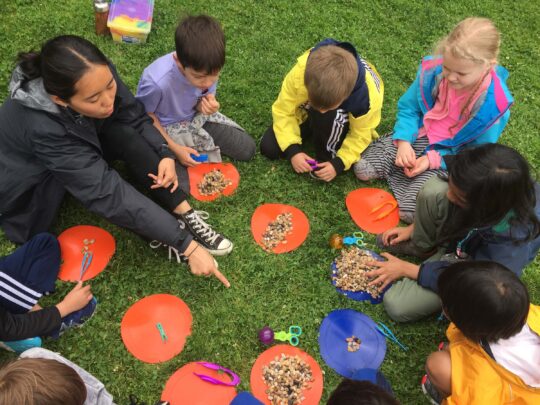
[488, 118]
[489, 244]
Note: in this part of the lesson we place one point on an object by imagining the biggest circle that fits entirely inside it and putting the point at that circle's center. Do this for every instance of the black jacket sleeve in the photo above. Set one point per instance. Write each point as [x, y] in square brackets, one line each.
[131, 112]
[24, 326]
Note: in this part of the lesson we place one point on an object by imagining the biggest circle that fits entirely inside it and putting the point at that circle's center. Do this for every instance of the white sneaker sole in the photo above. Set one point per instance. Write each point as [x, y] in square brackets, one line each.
[221, 252]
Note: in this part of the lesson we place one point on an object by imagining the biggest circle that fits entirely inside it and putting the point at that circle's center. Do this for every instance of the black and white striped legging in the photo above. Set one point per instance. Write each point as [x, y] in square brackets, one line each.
[381, 154]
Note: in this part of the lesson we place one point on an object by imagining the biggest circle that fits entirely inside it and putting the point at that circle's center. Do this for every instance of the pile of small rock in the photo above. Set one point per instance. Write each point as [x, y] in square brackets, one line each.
[213, 182]
[351, 268]
[276, 232]
[353, 343]
[286, 378]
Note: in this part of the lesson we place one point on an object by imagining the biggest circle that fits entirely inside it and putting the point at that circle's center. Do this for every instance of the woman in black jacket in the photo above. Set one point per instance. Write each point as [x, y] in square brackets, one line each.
[68, 114]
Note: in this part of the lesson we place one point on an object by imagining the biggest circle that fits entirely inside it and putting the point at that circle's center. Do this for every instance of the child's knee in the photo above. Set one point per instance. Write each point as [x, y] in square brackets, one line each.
[269, 146]
[433, 192]
[248, 150]
[395, 308]
[364, 170]
[439, 370]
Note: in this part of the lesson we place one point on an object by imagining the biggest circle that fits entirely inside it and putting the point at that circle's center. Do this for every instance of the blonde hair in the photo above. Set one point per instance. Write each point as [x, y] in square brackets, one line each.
[475, 39]
[330, 76]
[40, 382]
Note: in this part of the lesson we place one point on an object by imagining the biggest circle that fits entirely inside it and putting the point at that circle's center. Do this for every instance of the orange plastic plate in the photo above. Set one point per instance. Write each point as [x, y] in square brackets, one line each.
[185, 388]
[312, 394]
[267, 213]
[196, 174]
[72, 245]
[140, 332]
[362, 201]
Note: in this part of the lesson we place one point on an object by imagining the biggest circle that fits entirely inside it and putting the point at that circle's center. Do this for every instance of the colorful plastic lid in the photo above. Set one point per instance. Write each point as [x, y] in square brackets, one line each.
[196, 174]
[155, 328]
[372, 209]
[101, 246]
[345, 323]
[312, 394]
[132, 15]
[267, 213]
[360, 295]
[185, 388]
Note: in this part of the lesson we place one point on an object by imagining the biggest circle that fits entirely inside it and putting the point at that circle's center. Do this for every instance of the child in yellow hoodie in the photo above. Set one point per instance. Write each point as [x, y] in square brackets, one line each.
[493, 355]
[334, 98]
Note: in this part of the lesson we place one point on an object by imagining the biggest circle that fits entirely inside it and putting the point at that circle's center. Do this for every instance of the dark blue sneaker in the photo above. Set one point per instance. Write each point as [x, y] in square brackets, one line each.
[76, 319]
[19, 346]
[430, 391]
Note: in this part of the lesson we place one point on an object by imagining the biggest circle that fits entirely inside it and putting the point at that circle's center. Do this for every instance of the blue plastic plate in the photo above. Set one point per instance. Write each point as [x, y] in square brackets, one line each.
[336, 328]
[360, 295]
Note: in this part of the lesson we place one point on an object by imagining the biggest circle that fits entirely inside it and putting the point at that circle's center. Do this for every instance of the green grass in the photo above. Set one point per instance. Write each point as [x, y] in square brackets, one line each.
[264, 39]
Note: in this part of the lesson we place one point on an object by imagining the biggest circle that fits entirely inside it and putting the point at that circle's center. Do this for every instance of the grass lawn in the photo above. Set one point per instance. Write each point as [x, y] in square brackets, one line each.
[264, 38]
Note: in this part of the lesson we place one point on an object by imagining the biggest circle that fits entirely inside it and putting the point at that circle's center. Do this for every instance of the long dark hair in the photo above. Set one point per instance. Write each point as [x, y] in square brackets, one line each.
[495, 179]
[61, 62]
[484, 299]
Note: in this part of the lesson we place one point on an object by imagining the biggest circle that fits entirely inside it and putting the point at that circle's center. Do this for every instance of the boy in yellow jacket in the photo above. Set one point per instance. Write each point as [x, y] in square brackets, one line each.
[332, 96]
[493, 355]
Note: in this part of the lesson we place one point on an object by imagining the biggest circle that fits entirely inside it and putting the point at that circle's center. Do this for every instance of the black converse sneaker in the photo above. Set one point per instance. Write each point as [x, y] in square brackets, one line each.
[212, 241]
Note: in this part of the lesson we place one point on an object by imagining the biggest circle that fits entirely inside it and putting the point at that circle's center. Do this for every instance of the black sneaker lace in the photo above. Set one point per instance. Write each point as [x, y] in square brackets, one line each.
[196, 220]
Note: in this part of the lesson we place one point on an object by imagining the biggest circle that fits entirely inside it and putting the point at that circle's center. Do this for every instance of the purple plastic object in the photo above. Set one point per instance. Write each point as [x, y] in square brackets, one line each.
[313, 163]
[266, 335]
[212, 366]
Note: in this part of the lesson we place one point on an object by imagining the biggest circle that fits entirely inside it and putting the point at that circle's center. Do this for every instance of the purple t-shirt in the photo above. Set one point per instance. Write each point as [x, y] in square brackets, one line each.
[166, 92]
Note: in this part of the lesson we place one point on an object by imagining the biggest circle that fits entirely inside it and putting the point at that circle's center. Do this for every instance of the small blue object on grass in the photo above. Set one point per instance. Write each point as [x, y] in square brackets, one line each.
[19, 346]
[203, 157]
[86, 262]
[386, 332]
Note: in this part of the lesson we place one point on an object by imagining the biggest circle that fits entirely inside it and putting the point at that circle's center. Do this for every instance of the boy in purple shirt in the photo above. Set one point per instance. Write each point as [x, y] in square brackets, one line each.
[178, 91]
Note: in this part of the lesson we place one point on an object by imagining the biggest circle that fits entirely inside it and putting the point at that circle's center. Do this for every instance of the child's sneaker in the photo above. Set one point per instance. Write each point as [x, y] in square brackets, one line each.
[430, 391]
[212, 241]
[76, 319]
[19, 346]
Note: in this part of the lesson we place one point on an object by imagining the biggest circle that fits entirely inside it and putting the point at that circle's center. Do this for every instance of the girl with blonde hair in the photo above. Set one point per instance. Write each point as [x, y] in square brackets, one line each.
[459, 99]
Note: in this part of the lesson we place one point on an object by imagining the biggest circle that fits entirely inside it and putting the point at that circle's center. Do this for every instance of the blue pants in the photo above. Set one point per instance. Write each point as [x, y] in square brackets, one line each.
[28, 273]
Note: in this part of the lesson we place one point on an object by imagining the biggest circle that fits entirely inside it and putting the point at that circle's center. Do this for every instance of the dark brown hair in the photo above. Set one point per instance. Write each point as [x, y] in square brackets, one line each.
[484, 299]
[330, 76]
[200, 44]
[40, 382]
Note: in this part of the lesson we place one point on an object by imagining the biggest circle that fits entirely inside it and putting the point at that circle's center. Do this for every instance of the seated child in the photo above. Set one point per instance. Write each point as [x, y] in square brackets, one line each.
[42, 377]
[333, 96]
[25, 276]
[493, 355]
[178, 91]
[458, 99]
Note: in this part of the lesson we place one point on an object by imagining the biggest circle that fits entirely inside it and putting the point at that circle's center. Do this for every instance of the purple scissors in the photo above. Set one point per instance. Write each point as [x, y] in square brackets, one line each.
[212, 366]
[313, 163]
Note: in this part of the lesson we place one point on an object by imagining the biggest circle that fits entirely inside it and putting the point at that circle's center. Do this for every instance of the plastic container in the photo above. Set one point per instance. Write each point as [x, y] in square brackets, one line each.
[130, 20]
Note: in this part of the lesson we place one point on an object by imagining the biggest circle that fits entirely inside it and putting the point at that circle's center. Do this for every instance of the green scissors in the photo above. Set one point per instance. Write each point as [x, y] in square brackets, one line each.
[291, 336]
[357, 239]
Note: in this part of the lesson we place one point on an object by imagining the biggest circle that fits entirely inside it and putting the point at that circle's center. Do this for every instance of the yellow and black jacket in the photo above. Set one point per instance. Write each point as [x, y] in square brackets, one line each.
[363, 106]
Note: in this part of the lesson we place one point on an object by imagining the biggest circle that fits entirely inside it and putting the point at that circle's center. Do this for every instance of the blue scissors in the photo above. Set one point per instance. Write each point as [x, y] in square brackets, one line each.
[85, 264]
[386, 332]
[291, 336]
[357, 239]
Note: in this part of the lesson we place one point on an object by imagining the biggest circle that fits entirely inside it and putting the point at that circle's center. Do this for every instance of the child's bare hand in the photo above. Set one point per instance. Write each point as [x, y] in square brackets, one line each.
[76, 299]
[183, 154]
[166, 175]
[201, 263]
[299, 163]
[397, 234]
[209, 105]
[326, 171]
[420, 166]
[405, 156]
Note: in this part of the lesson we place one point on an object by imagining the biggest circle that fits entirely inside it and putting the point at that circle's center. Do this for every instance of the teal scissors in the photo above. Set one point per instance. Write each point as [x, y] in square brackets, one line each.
[386, 332]
[357, 239]
[291, 336]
